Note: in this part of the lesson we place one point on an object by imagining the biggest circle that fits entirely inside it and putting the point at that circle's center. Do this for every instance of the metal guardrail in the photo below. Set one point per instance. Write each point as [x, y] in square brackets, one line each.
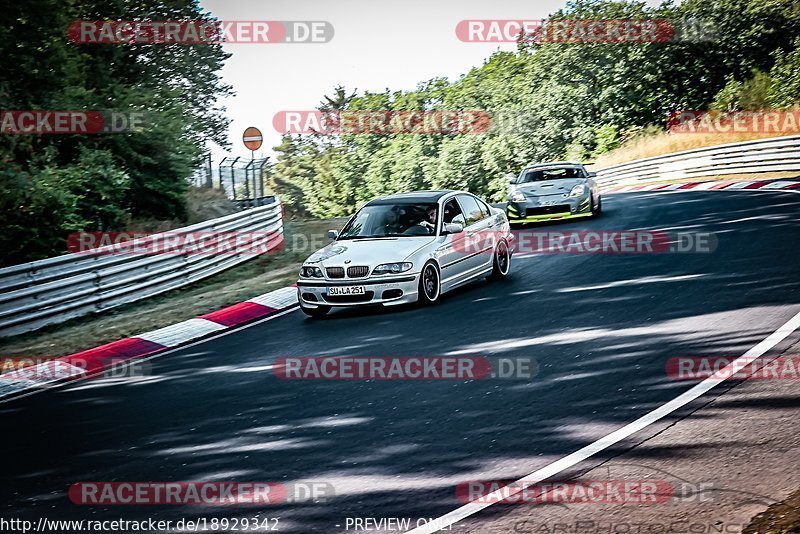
[774, 154]
[57, 289]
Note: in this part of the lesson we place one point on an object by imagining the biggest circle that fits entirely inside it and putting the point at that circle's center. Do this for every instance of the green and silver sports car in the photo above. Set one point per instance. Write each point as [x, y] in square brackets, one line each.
[549, 191]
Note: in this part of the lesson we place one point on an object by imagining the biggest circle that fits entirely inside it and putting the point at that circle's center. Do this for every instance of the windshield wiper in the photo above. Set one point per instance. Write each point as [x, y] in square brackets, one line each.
[360, 237]
[372, 236]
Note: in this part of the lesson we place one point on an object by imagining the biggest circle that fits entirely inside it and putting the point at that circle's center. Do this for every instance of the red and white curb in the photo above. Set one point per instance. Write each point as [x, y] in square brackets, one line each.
[97, 360]
[707, 186]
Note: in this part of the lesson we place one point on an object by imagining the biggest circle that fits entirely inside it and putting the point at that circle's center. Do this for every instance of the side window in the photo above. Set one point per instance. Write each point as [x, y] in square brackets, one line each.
[484, 208]
[472, 211]
[452, 213]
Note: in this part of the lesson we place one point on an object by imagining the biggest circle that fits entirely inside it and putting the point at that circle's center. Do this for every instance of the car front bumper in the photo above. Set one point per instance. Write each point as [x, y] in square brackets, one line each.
[386, 290]
[549, 208]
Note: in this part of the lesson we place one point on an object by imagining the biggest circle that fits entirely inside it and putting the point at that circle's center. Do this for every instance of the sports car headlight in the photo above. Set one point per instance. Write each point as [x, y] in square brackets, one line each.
[393, 268]
[310, 272]
[517, 196]
[578, 190]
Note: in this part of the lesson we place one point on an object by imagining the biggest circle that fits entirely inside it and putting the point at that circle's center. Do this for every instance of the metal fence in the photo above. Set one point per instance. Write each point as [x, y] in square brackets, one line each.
[203, 176]
[241, 178]
[774, 154]
[54, 290]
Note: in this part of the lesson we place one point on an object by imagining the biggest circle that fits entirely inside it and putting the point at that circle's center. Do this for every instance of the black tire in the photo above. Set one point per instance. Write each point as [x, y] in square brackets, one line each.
[597, 211]
[430, 284]
[316, 313]
[501, 262]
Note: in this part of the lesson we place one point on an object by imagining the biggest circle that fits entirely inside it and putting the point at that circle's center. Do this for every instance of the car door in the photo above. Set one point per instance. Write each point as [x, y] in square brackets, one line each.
[452, 251]
[480, 241]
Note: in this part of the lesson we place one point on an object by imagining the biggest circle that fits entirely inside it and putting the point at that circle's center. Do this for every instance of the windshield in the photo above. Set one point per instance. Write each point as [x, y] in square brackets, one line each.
[392, 220]
[556, 173]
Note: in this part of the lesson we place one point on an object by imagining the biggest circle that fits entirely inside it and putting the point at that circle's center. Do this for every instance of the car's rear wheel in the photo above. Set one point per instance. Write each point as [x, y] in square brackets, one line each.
[430, 285]
[502, 261]
[319, 311]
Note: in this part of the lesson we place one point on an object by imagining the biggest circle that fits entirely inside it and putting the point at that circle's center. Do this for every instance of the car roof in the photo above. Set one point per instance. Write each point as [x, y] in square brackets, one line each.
[412, 197]
[555, 164]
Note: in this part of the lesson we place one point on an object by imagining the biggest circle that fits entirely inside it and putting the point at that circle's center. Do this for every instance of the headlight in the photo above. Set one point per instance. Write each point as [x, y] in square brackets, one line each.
[310, 272]
[517, 196]
[578, 190]
[393, 268]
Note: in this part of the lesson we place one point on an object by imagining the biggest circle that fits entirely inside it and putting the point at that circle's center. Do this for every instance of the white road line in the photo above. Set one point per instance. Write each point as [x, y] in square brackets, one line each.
[778, 185]
[705, 186]
[278, 299]
[739, 185]
[615, 437]
[179, 333]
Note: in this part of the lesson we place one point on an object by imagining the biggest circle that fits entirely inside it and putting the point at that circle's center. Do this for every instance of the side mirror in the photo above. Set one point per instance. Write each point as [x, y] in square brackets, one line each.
[510, 176]
[333, 234]
[592, 174]
[453, 228]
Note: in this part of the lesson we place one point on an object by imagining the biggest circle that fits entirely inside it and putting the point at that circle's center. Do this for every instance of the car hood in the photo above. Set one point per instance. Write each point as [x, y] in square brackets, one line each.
[549, 187]
[372, 251]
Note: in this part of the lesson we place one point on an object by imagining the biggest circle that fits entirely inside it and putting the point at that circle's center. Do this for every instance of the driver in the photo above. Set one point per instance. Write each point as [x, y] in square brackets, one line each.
[430, 219]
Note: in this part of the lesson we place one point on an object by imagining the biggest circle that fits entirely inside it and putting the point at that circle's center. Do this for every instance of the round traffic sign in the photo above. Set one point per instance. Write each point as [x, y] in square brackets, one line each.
[252, 138]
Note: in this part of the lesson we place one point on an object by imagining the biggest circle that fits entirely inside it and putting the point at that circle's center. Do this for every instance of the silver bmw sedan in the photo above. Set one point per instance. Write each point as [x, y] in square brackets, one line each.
[406, 248]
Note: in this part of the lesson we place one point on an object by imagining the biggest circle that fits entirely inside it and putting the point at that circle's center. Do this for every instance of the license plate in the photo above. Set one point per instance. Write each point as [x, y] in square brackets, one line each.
[346, 290]
[548, 203]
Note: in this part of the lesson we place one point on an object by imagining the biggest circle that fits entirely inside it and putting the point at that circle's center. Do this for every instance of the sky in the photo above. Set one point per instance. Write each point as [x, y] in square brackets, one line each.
[376, 45]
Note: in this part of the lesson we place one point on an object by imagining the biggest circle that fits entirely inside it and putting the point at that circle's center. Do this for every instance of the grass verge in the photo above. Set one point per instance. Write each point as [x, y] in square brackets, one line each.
[667, 143]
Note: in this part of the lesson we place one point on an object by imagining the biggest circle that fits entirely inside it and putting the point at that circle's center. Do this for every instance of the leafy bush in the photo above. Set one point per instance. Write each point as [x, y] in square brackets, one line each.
[752, 94]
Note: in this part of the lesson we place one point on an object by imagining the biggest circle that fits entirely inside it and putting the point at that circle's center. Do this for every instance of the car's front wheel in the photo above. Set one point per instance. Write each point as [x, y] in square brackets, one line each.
[599, 209]
[502, 261]
[319, 311]
[430, 285]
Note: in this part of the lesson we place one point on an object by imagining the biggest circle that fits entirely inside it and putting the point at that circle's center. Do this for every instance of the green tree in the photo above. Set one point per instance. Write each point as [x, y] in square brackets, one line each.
[752, 94]
[550, 100]
[177, 88]
[785, 75]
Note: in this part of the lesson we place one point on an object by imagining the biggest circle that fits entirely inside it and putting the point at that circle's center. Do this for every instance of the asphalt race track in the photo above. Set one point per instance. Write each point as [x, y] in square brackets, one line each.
[601, 327]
